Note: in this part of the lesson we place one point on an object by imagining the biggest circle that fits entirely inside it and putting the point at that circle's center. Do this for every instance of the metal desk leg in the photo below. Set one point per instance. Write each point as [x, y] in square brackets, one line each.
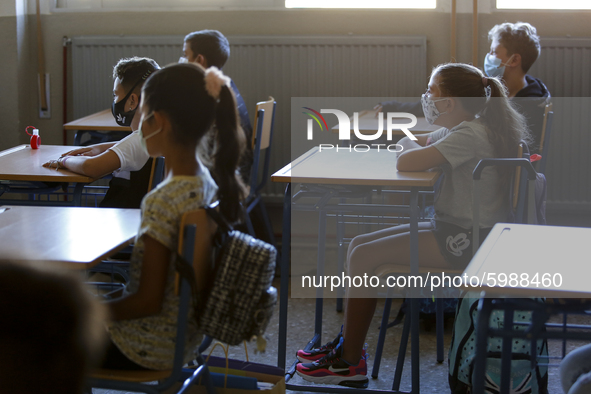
[414, 302]
[439, 323]
[320, 275]
[401, 353]
[506, 352]
[484, 311]
[341, 255]
[283, 291]
[77, 198]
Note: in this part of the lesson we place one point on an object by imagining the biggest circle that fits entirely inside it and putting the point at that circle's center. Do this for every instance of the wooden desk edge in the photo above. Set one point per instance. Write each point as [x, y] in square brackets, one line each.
[72, 178]
[80, 265]
[97, 128]
[78, 124]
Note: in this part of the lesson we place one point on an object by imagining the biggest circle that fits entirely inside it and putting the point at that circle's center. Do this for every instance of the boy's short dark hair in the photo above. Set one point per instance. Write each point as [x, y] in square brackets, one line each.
[521, 38]
[131, 70]
[51, 330]
[211, 44]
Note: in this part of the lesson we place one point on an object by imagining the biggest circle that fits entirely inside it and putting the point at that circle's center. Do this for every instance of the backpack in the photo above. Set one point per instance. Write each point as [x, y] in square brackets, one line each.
[462, 353]
[240, 300]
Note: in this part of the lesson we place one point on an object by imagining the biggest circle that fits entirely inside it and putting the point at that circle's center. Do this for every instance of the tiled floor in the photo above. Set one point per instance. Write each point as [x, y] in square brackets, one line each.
[433, 375]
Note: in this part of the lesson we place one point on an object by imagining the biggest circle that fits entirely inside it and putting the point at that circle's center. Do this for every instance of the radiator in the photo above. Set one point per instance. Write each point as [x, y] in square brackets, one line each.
[282, 67]
[564, 66]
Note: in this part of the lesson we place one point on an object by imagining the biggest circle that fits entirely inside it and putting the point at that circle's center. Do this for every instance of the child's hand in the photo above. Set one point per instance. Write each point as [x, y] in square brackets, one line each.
[378, 109]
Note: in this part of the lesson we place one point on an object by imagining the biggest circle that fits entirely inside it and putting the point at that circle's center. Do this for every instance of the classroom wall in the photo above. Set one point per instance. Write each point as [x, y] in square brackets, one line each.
[18, 81]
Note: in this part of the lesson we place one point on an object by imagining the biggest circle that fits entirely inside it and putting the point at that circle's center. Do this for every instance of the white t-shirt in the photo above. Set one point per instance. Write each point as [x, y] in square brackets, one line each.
[463, 147]
[131, 155]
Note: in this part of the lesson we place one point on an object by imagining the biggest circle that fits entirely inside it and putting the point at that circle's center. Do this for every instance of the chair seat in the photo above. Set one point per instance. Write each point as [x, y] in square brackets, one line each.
[387, 269]
[130, 376]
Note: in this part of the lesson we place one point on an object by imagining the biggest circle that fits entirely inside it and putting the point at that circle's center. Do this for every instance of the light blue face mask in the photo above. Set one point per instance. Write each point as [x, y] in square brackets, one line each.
[141, 131]
[493, 67]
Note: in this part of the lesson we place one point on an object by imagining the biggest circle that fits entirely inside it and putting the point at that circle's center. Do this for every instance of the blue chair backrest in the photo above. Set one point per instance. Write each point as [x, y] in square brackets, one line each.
[157, 174]
[263, 137]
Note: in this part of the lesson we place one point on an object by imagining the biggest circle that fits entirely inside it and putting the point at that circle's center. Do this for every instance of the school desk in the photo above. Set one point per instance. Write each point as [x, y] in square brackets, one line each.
[23, 164]
[101, 124]
[368, 124]
[556, 262]
[322, 172]
[72, 237]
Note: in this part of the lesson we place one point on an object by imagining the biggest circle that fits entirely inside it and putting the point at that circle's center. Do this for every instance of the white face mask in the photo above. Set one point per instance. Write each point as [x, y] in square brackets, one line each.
[430, 109]
[141, 131]
[493, 67]
[183, 59]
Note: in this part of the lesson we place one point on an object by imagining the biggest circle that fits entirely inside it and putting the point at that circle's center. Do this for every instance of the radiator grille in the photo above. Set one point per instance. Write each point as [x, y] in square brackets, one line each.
[564, 66]
[282, 67]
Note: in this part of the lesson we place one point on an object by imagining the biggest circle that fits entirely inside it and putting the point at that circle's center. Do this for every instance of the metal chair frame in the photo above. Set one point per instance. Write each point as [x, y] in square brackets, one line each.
[135, 380]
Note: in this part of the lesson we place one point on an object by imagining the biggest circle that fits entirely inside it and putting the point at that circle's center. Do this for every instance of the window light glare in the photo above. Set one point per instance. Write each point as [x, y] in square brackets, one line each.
[545, 4]
[360, 4]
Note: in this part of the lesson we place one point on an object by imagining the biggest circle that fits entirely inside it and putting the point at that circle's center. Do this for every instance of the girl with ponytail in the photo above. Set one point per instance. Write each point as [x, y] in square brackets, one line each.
[183, 106]
[477, 122]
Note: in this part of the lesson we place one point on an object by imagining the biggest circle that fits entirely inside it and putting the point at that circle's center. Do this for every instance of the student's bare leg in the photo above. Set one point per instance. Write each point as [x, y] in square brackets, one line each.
[364, 238]
[364, 259]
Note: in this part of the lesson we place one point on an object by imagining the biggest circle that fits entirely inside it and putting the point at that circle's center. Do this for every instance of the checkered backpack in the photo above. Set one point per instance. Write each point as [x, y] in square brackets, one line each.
[240, 301]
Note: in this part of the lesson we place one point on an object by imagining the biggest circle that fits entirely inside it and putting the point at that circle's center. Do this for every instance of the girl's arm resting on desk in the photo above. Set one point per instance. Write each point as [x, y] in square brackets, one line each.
[420, 159]
[147, 301]
[409, 144]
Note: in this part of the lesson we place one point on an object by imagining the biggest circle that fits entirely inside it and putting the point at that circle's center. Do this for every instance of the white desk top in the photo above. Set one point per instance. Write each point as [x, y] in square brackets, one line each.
[67, 236]
[532, 249]
[370, 168]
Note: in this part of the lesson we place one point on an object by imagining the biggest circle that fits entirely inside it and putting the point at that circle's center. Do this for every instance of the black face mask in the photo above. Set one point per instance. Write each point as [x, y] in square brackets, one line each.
[122, 117]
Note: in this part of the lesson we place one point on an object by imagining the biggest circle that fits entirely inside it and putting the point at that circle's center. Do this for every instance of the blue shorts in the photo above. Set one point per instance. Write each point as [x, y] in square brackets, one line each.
[455, 242]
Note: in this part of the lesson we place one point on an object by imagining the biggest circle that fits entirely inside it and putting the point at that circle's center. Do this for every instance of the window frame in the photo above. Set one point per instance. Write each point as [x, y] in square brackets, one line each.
[61, 6]
[437, 7]
[66, 6]
[495, 7]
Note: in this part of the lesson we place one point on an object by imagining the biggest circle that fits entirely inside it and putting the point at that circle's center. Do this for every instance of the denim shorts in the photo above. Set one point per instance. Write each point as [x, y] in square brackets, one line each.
[455, 242]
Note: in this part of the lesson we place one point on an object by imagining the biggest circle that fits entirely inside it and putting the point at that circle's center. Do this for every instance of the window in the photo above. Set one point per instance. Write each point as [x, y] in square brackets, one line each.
[360, 4]
[158, 5]
[544, 4]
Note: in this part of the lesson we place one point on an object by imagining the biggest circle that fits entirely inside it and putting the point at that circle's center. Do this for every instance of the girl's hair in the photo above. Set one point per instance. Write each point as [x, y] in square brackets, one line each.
[179, 92]
[486, 97]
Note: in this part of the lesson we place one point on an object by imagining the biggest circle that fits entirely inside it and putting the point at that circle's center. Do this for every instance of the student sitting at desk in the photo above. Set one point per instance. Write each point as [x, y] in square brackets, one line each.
[211, 48]
[457, 93]
[125, 159]
[180, 105]
[513, 50]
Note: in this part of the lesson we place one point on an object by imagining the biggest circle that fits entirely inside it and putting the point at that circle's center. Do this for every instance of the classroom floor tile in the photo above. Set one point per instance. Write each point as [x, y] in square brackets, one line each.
[433, 375]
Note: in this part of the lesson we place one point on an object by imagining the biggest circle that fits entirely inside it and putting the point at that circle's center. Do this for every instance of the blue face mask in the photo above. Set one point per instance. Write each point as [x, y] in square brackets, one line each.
[493, 67]
[141, 131]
